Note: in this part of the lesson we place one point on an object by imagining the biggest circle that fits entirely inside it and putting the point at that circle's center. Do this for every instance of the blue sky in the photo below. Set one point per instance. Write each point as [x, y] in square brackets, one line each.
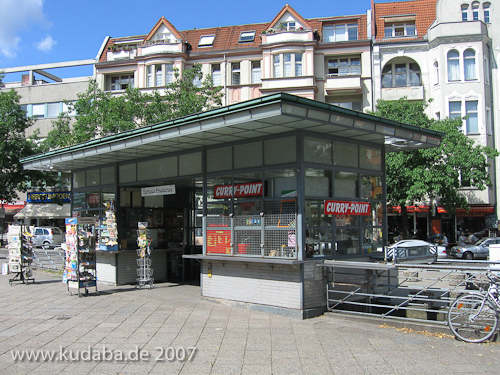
[46, 31]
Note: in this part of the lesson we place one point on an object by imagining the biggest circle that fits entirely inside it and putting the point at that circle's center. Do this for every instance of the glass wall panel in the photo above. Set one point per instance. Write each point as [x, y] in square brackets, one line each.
[346, 185]
[282, 150]
[371, 187]
[107, 175]
[318, 183]
[158, 168]
[248, 155]
[78, 180]
[280, 183]
[345, 154]
[190, 164]
[370, 158]
[319, 242]
[315, 214]
[93, 177]
[317, 150]
[375, 218]
[220, 159]
[128, 173]
[93, 199]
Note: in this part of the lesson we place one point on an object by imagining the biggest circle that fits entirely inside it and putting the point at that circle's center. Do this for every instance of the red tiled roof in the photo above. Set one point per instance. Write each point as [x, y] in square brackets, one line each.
[227, 37]
[424, 11]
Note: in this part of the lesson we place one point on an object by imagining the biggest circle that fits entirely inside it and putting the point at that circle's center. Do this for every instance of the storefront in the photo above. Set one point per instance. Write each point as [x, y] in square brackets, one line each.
[45, 208]
[252, 196]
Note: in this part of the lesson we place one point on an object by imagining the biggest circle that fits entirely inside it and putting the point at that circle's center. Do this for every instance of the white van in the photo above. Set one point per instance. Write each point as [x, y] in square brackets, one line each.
[47, 236]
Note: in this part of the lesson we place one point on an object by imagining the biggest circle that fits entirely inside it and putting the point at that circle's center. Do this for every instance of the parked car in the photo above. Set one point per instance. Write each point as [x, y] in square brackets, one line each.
[418, 250]
[479, 250]
[47, 236]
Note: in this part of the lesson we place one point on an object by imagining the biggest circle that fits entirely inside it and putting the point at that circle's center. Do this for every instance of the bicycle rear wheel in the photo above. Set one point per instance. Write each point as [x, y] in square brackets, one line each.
[470, 321]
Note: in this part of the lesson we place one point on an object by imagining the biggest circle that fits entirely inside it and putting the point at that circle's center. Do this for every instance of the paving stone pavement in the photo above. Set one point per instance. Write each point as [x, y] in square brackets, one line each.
[124, 330]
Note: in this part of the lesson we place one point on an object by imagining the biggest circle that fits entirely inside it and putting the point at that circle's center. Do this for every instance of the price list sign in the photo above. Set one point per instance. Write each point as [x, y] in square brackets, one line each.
[219, 241]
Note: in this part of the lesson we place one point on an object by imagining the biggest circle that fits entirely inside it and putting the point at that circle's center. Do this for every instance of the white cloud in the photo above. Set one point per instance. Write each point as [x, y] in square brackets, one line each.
[17, 16]
[46, 44]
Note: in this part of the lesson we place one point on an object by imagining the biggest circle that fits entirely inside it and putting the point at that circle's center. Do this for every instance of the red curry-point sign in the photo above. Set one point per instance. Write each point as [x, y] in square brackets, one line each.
[249, 189]
[347, 208]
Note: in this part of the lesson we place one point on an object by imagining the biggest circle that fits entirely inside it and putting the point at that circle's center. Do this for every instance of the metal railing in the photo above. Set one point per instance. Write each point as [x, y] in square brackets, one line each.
[414, 292]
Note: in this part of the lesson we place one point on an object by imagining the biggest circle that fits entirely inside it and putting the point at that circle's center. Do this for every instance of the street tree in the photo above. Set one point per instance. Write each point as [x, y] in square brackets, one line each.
[100, 113]
[14, 145]
[434, 175]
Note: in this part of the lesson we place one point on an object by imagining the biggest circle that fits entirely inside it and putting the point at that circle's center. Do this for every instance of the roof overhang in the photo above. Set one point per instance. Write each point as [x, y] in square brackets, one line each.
[268, 115]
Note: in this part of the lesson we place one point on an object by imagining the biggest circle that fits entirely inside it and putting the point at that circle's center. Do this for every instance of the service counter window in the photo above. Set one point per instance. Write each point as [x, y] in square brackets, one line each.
[347, 241]
[372, 240]
[319, 229]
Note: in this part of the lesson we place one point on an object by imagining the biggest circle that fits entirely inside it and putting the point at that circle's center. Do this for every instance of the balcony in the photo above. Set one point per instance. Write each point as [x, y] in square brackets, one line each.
[121, 55]
[278, 36]
[345, 84]
[160, 46]
[271, 84]
[410, 92]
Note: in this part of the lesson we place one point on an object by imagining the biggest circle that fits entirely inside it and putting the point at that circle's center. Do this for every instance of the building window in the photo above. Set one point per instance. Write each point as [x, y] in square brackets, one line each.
[455, 109]
[453, 66]
[216, 75]
[356, 106]
[401, 75]
[169, 73]
[247, 36]
[344, 66]
[465, 11]
[436, 73]
[235, 73]
[150, 75]
[486, 12]
[121, 82]
[38, 110]
[486, 69]
[287, 65]
[469, 64]
[475, 11]
[290, 26]
[206, 41]
[340, 33]
[400, 29]
[158, 76]
[256, 72]
[471, 121]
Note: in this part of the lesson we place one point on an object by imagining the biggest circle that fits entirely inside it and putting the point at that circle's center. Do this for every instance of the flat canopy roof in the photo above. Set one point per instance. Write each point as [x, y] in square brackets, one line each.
[268, 115]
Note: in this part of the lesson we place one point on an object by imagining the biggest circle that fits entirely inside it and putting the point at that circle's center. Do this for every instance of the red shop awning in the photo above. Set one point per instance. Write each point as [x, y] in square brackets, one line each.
[474, 211]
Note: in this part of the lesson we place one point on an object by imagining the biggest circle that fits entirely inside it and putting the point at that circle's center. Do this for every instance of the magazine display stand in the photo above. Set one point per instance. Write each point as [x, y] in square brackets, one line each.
[80, 271]
[21, 255]
[144, 272]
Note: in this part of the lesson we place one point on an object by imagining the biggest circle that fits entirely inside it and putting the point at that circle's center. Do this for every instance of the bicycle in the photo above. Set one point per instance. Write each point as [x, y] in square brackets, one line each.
[473, 317]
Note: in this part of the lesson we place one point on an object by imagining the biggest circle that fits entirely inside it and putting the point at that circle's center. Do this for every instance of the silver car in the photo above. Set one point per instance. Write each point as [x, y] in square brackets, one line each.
[480, 250]
[47, 236]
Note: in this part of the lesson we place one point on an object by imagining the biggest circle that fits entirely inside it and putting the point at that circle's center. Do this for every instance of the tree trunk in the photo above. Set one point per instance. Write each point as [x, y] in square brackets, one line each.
[404, 221]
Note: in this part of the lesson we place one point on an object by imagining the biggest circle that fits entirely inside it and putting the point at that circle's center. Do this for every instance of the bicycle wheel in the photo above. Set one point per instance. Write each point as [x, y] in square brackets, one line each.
[470, 321]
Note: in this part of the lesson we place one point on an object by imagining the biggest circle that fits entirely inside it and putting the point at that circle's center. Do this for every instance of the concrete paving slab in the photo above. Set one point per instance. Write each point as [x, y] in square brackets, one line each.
[169, 319]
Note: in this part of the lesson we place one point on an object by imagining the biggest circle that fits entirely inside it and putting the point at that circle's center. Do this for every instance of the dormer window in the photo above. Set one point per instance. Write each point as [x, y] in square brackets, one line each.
[400, 29]
[340, 32]
[206, 41]
[247, 36]
[290, 25]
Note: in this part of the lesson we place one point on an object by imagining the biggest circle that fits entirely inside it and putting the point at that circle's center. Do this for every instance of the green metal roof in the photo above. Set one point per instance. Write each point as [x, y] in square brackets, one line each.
[268, 115]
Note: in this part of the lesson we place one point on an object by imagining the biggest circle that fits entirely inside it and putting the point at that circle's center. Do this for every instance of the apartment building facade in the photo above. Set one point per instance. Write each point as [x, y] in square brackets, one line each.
[444, 50]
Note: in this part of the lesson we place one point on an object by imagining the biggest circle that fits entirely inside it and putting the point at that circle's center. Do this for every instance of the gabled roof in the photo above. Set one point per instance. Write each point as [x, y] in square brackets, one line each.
[288, 8]
[423, 12]
[168, 25]
[266, 116]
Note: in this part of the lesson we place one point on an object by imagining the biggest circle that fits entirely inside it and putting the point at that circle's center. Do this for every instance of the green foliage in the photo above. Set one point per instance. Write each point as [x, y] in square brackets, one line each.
[15, 146]
[100, 113]
[434, 174]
